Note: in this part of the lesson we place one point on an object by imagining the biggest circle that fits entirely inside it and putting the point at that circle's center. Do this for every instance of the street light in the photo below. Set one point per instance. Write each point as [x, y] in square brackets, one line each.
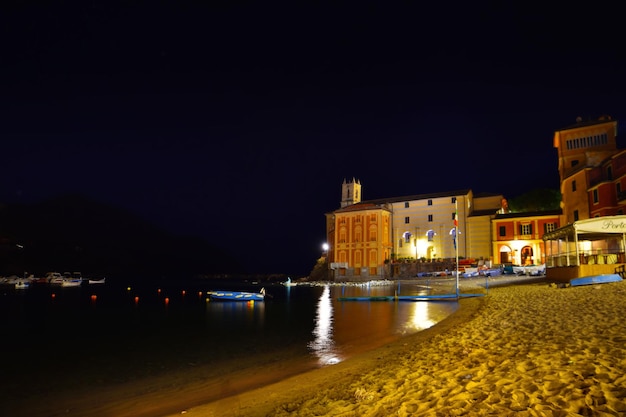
[325, 247]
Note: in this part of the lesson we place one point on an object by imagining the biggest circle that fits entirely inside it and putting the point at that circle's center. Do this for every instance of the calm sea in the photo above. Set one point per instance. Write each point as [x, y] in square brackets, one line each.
[57, 338]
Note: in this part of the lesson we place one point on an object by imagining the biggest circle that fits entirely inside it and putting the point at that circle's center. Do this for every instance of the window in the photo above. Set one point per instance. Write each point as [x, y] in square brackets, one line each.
[526, 229]
[502, 231]
[406, 204]
[453, 216]
[430, 217]
[609, 173]
[357, 234]
[373, 218]
[618, 189]
[400, 241]
[430, 234]
[407, 237]
[574, 162]
[430, 202]
[407, 220]
[595, 196]
[549, 227]
[575, 215]
[574, 185]
[373, 234]
[453, 200]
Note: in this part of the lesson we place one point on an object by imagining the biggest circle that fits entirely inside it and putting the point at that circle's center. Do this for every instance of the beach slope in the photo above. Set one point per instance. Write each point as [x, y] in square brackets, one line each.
[532, 349]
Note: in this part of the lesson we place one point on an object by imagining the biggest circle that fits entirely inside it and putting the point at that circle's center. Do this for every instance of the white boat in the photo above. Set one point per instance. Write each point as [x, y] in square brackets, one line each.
[22, 284]
[54, 278]
[237, 295]
[97, 281]
[71, 279]
[288, 283]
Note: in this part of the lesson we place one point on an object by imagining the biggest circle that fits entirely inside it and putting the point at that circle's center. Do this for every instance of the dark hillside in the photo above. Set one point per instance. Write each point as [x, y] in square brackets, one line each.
[73, 233]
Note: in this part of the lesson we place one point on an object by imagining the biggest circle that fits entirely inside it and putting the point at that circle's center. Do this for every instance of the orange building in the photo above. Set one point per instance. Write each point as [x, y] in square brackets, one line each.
[591, 169]
[592, 176]
[518, 237]
[361, 240]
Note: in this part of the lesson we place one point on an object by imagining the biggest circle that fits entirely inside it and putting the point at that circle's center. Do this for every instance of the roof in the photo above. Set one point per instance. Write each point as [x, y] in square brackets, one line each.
[418, 197]
[364, 205]
[556, 212]
[584, 123]
[590, 229]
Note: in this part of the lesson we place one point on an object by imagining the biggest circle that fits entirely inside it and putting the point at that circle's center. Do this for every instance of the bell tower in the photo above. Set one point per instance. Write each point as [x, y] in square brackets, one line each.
[350, 192]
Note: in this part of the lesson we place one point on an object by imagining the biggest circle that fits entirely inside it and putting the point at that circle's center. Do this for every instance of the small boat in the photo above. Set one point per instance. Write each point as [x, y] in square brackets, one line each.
[22, 285]
[97, 281]
[71, 282]
[54, 278]
[237, 295]
[594, 279]
[288, 283]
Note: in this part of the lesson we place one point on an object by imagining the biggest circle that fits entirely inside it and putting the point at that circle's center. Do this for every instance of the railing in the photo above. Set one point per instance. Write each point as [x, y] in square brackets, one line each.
[585, 258]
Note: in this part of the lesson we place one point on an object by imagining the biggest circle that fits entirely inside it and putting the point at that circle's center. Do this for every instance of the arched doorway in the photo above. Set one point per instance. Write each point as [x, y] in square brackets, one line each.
[527, 255]
[505, 255]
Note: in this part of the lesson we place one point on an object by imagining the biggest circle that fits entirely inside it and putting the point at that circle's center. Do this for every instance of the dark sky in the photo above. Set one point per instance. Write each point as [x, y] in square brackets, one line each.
[238, 122]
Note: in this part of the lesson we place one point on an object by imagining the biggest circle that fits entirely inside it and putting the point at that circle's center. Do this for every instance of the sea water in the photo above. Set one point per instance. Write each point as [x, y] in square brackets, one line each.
[61, 339]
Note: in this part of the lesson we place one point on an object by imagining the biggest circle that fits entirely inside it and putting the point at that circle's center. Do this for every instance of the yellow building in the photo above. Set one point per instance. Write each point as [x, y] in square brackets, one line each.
[364, 235]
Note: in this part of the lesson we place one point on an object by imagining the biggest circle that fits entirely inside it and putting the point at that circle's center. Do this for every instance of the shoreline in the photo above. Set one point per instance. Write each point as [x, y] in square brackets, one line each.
[532, 348]
[527, 346]
[263, 400]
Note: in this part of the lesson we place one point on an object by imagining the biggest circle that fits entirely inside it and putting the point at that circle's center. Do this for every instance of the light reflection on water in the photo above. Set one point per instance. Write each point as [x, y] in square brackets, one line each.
[323, 345]
[130, 331]
[345, 328]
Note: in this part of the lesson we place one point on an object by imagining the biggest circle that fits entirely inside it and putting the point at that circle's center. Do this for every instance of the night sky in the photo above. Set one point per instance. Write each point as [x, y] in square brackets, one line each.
[238, 121]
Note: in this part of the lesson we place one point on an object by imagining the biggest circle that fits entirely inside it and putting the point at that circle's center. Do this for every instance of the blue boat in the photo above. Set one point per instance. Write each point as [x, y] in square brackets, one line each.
[594, 279]
[237, 295]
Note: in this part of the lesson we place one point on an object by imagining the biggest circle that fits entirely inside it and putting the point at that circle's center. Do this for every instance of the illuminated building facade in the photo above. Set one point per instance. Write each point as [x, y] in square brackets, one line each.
[518, 237]
[364, 235]
[592, 170]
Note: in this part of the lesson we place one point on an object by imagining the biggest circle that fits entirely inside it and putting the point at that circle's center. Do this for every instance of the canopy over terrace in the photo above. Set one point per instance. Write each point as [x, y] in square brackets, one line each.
[586, 247]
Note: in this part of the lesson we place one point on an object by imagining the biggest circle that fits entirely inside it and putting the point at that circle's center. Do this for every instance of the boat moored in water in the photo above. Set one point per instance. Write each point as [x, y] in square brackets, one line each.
[237, 295]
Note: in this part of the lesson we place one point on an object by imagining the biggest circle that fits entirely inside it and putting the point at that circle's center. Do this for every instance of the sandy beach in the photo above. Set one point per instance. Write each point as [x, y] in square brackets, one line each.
[533, 349]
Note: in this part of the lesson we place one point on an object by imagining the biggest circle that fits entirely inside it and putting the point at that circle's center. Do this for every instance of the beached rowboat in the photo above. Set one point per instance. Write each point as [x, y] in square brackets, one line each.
[595, 279]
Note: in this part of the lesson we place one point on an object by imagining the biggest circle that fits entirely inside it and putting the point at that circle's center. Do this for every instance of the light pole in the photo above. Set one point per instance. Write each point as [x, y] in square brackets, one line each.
[325, 248]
